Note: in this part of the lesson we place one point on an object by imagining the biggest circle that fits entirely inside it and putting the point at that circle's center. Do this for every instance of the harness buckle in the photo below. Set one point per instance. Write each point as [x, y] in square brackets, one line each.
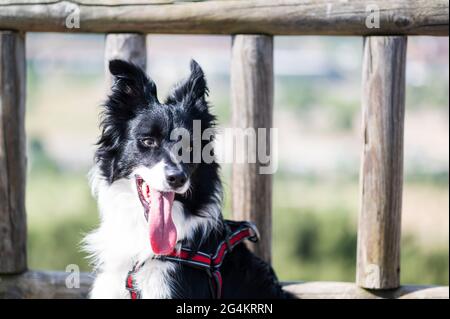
[254, 232]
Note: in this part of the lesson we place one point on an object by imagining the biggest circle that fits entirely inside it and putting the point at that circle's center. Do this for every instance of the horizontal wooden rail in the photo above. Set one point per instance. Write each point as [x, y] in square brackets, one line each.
[47, 285]
[43, 285]
[274, 17]
[346, 290]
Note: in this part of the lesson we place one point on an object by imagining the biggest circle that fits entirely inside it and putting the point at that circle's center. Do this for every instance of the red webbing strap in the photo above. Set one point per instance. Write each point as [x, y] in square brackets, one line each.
[237, 232]
[217, 276]
[187, 256]
[228, 244]
[130, 283]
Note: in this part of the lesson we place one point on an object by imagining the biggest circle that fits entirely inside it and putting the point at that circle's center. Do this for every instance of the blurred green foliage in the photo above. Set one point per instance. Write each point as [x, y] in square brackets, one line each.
[433, 94]
[315, 245]
[60, 211]
[304, 95]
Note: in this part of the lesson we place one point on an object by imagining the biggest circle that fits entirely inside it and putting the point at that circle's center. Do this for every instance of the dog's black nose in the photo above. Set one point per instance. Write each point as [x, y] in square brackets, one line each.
[176, 178]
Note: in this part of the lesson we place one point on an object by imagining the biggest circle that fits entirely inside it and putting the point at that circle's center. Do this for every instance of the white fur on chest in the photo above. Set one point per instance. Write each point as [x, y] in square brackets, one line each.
[153, 281]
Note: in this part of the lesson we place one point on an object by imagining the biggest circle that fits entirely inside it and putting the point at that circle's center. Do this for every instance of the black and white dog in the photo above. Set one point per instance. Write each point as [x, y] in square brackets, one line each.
[152, 204]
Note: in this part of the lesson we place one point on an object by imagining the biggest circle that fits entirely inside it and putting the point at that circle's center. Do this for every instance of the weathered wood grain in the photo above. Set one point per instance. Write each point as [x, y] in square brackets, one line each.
[89, 2]
[53, 285]
[344, 290]
[131, 47]
[252, 107]
[378, 265]
[13, 230]
[44, 285]
[275, 17]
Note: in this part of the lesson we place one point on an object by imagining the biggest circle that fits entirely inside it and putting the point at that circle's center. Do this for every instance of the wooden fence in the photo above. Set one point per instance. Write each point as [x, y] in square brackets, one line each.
[252, 23]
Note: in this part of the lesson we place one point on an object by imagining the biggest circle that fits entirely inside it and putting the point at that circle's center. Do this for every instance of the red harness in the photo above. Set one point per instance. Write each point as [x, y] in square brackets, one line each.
[236, 232]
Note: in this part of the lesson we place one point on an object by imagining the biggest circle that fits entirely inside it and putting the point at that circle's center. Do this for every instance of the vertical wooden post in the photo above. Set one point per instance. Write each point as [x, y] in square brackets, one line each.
[378, 264]
[13, 229]
[130, 47]
[252, 107]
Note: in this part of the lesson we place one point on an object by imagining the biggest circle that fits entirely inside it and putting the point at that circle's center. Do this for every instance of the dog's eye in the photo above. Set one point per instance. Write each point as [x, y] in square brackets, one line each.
[149, 142]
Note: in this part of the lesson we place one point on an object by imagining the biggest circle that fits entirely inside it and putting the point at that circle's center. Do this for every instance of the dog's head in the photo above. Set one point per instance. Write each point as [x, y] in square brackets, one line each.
[138, 143]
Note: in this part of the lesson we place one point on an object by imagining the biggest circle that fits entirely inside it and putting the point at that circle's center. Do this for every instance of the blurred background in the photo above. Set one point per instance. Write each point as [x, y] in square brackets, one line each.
[317, 113]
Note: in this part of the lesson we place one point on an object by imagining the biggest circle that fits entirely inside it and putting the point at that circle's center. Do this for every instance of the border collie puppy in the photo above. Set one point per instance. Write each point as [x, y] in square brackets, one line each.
[151, 203]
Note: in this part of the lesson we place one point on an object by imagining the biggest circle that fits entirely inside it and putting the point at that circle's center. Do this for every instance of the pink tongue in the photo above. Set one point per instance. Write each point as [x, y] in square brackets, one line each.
[163, 233]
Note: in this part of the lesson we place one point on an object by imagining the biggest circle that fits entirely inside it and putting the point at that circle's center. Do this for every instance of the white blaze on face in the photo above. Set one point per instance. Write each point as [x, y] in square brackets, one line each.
[154, 176]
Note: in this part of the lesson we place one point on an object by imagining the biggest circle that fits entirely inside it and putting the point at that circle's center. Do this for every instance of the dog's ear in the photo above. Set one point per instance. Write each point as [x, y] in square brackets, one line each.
[131, 92]
[132, 83]
[193, 91]
[196, 84]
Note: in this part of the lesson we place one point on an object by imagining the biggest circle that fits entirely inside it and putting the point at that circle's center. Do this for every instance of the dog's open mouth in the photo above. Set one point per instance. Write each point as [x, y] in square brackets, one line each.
[144, 193]
[158, 211]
